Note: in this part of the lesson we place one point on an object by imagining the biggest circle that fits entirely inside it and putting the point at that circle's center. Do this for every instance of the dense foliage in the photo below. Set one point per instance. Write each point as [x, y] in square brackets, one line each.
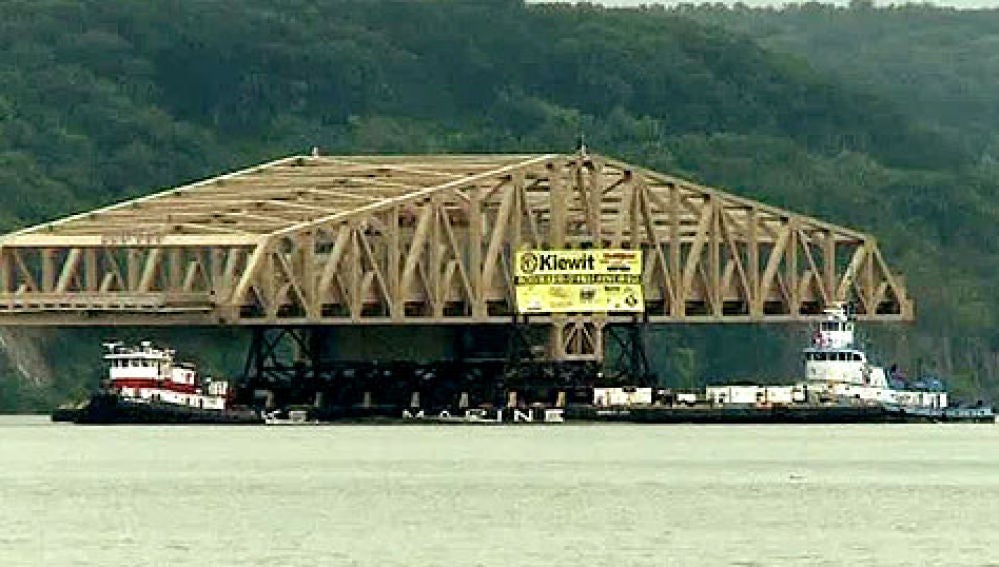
[104, 100]
[941, 65]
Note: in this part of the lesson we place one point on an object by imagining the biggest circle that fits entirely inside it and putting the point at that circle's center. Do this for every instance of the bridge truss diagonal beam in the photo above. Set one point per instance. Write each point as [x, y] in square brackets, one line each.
[310, 240]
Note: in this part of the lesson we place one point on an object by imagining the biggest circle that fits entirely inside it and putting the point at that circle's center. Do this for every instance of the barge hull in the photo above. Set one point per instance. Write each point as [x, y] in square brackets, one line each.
[746, 415]
[109, 409]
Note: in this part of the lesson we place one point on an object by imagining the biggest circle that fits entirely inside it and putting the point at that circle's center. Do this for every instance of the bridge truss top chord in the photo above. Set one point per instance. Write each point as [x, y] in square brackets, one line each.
[324, 240]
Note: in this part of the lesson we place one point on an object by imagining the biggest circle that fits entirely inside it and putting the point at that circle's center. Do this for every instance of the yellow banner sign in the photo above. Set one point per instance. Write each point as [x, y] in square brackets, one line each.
[578, 281]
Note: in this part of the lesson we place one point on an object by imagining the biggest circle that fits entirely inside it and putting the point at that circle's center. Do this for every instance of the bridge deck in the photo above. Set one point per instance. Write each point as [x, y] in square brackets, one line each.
[428, 239]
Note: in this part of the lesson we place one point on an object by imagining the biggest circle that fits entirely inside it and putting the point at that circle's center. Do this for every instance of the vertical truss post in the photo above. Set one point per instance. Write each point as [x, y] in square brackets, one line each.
[286, 359]
[5, 276]
[518, 349]
[317, 337]
[253, 368]
[631, 363]
[638, 360]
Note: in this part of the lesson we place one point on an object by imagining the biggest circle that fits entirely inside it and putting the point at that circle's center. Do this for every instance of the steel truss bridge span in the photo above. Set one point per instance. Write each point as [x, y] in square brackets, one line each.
[346, 240]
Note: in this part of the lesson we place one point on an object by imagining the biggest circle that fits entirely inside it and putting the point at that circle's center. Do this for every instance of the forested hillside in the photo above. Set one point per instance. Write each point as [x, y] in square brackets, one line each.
[941, 65]
[105, 100]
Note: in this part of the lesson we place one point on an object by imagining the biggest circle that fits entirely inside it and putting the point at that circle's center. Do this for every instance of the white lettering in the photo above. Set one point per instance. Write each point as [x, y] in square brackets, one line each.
[554, 416]
[126, 238]
[521, 416]
[475, 415]
[478, 415]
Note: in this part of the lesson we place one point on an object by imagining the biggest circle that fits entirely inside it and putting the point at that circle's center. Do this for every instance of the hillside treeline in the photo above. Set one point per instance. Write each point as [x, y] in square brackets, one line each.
[101, 101]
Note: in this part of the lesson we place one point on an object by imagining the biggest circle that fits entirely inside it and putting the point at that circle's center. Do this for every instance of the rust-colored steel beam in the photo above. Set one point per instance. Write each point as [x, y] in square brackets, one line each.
[310, 240]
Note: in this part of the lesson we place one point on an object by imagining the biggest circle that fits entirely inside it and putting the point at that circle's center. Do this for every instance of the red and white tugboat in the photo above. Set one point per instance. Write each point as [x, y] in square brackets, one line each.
[146, 385]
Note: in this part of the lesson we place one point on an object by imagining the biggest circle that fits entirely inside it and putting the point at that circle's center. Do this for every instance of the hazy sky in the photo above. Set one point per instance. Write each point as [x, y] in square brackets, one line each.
[954, 3]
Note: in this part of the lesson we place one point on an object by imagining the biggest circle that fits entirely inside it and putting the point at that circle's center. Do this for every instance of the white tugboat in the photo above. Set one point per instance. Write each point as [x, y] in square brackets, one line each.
[836, 367]
[146, 385]
[840, 386]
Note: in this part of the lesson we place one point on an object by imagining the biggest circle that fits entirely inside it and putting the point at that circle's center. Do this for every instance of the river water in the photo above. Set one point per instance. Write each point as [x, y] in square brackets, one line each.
[498, 495]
